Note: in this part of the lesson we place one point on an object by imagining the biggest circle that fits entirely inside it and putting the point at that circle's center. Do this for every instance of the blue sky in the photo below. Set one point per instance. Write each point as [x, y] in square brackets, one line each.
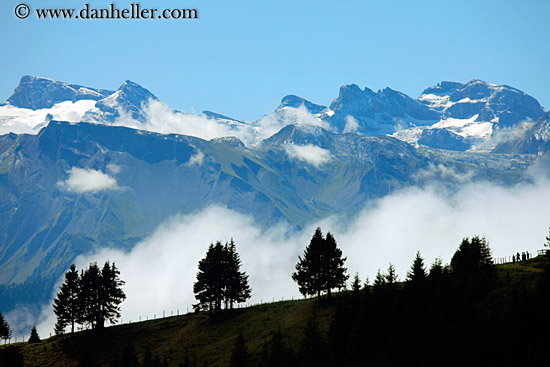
[241, 57]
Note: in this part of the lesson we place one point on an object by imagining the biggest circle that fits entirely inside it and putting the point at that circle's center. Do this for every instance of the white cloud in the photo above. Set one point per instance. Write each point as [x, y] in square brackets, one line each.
[351, 125]
[443, 174]
[162, 119]
[87, 180]
[113, 168]
[197, 159]
[312, 154]
[160, 271]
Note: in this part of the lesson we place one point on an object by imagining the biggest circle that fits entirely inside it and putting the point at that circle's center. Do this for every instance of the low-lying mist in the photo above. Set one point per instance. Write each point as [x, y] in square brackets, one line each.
[159, 272]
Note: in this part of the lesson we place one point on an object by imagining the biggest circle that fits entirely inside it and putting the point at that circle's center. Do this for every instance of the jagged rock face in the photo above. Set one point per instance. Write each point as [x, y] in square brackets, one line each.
[443, 139]
[443, 88]
[130, 98]
[383, 112]
[297, 102]
[534, 140]
[35, 93]
[503, 105]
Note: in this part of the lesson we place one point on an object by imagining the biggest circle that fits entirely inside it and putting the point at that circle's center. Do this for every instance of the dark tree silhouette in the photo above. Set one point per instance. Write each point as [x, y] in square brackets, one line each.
[313, 348]
[128, 356]
[239, 354]
[208, 287]
[276, 353]
[111, 294]
[391, 278]
[34, 338]
[89, 299]
[322, 266]
[472, 269]
[356, 287]
[417, 274]
[89, 296]
[237, 289]
[308, 269]
[5, 330]
[472, 256]
[66, 305]
[333, 265]
[219, 279]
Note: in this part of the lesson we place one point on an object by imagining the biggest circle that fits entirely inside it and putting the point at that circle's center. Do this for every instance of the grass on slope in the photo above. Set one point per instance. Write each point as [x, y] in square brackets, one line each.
[209, 339]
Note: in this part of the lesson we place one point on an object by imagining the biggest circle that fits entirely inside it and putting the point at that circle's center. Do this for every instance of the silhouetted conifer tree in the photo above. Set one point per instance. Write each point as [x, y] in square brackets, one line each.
[418, 273]
[356, 287]
[322, 266]
[313, 348]
[391, 278]
[34, 338]
[89, 299]
[276, 353]
[89, 296]
[237, 289]
[5, 330]
[111, 294]
[472, 267]
[333, 265]
[66, 305]
[128, 357]
[219, 278]
[308, 269]
[239, 354]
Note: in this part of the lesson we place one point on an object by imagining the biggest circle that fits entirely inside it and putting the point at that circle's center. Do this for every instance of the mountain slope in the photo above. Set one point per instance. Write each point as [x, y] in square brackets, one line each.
[35, 93]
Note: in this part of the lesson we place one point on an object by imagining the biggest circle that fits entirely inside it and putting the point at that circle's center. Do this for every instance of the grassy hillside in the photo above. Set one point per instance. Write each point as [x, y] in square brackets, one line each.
[210, 340]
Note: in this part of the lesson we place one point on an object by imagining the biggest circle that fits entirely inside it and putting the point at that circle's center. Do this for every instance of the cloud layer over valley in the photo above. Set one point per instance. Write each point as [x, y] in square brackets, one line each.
[160, 271]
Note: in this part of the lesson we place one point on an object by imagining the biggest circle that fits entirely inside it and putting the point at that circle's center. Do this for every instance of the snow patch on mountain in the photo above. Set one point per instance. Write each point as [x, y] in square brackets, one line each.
[27, 121]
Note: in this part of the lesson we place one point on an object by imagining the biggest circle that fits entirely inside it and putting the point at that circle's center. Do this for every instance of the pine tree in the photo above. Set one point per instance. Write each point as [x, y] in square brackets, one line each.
[312, 351]
[89, 296]
[219, 279]
[34, 338]
[472, 268]
[391, 278]
[334, 271]
[308, 269]
[66, 304]
[5, 330]
[239, 355]
[100, 295]
[322, 266]
[472, 256]
[237, 288]
[208, 288]
[356, 286]
[111, 294]
[416, 277]
[128, 356]
[276, 353]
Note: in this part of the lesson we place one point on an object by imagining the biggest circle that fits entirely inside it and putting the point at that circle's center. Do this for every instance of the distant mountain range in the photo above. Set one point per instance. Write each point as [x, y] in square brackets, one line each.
[78, 171]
